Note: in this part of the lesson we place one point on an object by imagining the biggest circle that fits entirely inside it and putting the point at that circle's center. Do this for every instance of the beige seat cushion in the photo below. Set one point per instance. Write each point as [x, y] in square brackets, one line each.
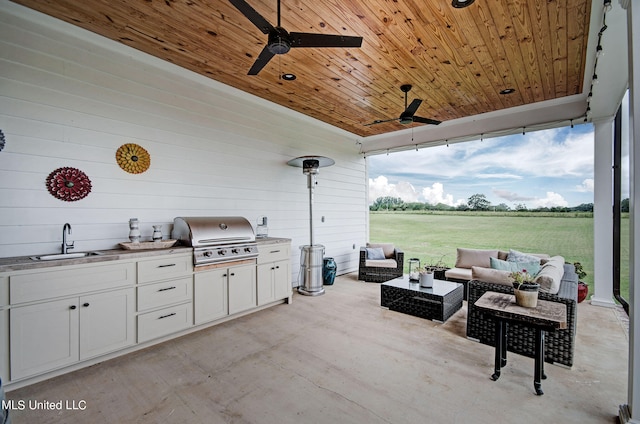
[458, 273]
[387, 248]
[382, 263]
[489, 275]
[466, 258]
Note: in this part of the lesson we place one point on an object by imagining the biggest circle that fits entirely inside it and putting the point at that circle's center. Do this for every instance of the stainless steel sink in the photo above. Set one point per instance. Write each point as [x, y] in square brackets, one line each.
[61, 256]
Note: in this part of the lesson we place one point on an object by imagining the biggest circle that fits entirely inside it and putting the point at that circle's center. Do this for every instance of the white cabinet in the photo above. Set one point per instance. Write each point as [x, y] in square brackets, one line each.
[165, 296]
[242, 288]
[4, 328]
[210, 297]
[106, 322]
[49, 335]
[274, 273]
[224, 291]
[44, 337]
[68, 314]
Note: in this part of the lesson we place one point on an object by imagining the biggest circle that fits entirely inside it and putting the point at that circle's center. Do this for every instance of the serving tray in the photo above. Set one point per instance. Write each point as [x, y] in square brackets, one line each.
[148, 245]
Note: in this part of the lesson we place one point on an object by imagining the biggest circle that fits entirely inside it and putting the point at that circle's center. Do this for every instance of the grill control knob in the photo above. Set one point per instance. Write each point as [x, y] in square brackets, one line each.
[207, 253]
[234, 251]
[222, 252]
[247, 249]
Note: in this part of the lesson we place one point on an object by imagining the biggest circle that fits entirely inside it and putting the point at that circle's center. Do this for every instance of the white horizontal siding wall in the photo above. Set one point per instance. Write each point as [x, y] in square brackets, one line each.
[71, 98]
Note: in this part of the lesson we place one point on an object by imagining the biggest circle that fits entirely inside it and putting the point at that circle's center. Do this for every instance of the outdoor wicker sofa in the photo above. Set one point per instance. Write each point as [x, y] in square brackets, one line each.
[559, 346]
[379, 271]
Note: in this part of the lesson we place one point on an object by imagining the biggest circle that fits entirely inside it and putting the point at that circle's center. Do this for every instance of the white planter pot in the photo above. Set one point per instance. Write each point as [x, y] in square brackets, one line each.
[426, 279]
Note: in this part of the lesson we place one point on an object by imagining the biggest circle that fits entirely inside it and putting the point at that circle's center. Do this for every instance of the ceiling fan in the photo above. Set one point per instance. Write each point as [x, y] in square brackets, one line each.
[407, 117]
[280, 41]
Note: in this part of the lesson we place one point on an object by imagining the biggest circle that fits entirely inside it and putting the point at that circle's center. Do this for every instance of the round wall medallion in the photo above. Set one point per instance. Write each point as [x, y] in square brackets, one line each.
[68, 184]
[133, 158]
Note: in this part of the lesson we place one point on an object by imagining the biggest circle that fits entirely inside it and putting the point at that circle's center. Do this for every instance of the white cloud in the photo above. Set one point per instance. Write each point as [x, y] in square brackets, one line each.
[552, 199]
[586, 186]
[512, 197]
[380, 187]
[435, 194]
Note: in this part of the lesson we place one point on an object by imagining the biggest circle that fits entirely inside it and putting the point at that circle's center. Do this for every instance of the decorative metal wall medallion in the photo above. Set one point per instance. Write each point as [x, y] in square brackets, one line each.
[68, 184]
[1, 140]
[133, 158]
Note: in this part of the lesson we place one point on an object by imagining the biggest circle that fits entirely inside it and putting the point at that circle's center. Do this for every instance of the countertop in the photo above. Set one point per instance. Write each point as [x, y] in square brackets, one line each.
[19, 263]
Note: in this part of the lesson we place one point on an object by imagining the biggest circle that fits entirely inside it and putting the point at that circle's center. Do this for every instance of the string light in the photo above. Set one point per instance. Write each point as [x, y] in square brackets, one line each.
[599, 54]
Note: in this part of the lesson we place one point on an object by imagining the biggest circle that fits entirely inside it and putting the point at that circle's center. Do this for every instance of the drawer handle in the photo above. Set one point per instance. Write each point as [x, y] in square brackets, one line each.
[86, 304]
[168, 315]
[275, 251]
[232, 274]
[167, 288]
[72, 307]
[165, 266]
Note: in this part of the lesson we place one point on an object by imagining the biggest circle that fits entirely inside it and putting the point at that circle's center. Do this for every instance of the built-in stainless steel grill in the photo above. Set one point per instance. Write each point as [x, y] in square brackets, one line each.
[216, 239]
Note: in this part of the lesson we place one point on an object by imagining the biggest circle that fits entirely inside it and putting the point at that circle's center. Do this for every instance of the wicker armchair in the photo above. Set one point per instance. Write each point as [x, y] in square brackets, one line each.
[558, 346]
[380, 274]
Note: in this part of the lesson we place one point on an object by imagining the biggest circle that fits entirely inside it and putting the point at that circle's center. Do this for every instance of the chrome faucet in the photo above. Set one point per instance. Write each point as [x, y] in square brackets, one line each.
[66, 246]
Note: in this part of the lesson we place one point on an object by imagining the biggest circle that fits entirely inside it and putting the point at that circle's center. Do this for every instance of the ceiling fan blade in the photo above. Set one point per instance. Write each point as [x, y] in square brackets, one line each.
[380, 121]
[426, 120]
[413, 107]
[261, 61]
[305, 39]
[250, 13]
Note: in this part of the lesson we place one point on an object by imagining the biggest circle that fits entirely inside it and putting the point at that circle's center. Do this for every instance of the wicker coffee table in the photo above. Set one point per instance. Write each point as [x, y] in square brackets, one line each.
[438, 303]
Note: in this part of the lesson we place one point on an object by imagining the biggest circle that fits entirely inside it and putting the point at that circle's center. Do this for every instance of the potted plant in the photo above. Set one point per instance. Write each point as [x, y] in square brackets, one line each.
[583, 288]
[438, 268]
[525, 289]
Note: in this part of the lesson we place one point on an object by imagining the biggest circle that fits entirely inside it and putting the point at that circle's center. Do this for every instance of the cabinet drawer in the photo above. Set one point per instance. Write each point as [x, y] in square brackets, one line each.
[273, 252]
[165, 321]
[165, 268]
[165, 293]
[51, 284]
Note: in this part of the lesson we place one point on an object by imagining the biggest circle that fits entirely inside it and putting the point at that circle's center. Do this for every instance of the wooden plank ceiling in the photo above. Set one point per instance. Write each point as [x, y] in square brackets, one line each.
[458, 60]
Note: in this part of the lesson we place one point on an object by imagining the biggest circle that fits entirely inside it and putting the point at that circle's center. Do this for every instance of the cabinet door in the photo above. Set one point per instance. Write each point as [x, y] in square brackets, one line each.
[210, 295]
[266, 292]
[106, 322]
[242, 288]
[282, 279]
[43, 337]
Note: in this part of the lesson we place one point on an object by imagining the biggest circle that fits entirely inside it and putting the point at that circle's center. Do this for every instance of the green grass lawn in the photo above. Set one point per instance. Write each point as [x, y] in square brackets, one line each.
[434, 236]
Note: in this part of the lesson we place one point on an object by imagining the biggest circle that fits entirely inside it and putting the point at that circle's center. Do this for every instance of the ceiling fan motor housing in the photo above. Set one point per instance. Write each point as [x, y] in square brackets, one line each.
[406, 118]
[279, 41]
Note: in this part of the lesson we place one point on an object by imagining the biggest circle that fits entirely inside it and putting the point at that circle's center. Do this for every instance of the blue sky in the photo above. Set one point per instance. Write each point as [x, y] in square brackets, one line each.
[542, 168]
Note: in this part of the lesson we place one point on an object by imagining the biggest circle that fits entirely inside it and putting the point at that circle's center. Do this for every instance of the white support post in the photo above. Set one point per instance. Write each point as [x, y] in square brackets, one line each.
[603, 214]
[627, 412]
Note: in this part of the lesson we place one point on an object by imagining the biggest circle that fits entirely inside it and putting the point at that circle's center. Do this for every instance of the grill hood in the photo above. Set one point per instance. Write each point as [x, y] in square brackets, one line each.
[201, 231]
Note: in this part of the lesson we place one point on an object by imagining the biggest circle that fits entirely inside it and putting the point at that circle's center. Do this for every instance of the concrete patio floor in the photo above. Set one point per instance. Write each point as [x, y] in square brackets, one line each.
[341, 358]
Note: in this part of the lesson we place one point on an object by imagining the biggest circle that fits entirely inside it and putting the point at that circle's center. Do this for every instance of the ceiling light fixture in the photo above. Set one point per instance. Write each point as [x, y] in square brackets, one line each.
[288, 77]
[508, 91]
[459, 4]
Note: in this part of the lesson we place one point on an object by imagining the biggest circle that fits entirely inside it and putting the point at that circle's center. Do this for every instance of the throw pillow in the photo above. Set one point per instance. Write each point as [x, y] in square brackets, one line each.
[387, 248]
[466, 258]
[375, 253]
[516, 256]
[550, 275]
[531, 267]
[489, 275]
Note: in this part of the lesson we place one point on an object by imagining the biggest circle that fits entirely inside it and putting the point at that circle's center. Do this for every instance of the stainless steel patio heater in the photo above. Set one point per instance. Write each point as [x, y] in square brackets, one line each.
[310, 281]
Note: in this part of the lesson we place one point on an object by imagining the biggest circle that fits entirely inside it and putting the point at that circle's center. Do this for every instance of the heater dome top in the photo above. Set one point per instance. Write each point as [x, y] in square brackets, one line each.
[311, 162]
